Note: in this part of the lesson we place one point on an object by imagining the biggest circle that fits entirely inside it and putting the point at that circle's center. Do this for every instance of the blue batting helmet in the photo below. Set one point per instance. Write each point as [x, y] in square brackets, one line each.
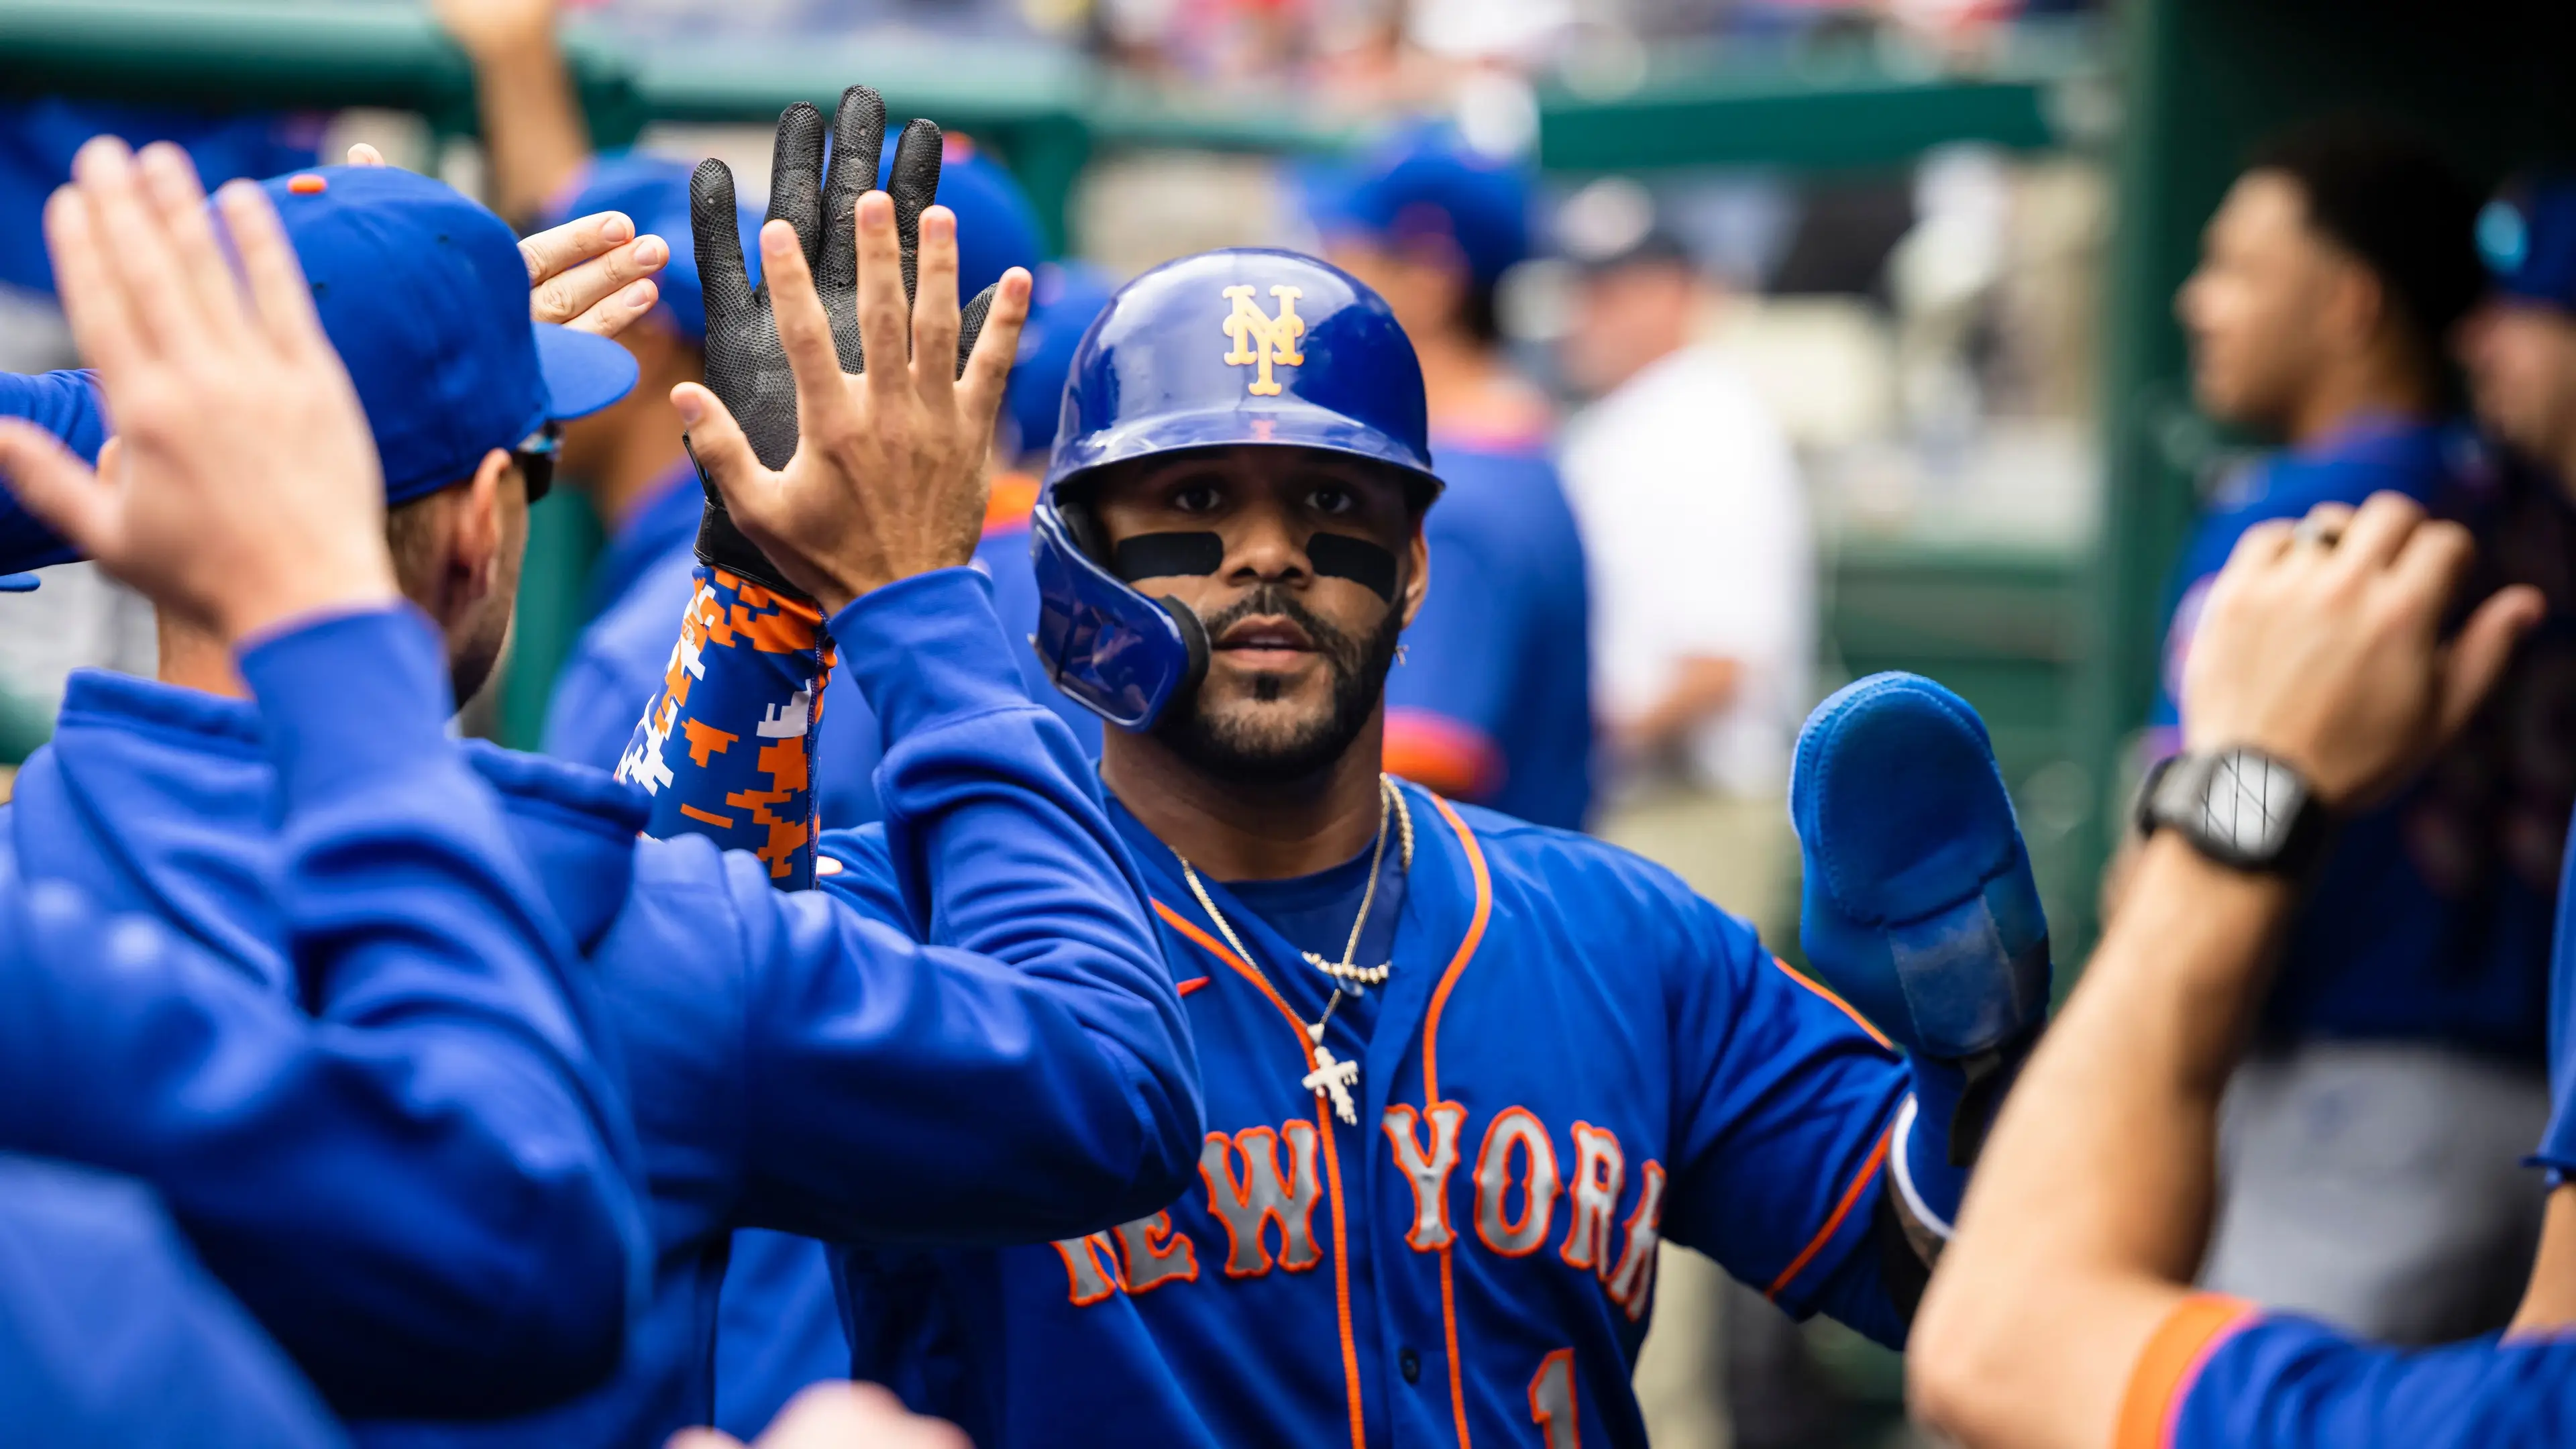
[1245, 347]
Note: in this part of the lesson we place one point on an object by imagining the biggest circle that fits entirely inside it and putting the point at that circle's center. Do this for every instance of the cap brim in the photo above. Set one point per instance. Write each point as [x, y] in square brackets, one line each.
[583, 372]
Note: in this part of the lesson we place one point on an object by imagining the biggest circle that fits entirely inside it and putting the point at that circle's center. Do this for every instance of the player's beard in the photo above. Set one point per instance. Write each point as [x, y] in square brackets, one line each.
[1256, 753]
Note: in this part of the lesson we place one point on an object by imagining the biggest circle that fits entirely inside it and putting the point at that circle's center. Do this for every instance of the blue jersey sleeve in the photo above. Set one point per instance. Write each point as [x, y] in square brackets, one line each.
[110, 1332]
[65, 404]
[2219, 1375]
[1030, 1074]
[423, 1189]
[1786, 1106]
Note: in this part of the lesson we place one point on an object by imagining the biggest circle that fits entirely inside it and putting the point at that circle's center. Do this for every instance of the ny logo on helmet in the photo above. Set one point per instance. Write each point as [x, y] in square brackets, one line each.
[1264, 339]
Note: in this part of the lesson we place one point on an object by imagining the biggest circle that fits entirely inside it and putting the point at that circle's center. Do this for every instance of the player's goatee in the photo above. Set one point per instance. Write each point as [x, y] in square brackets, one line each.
[1272, 751]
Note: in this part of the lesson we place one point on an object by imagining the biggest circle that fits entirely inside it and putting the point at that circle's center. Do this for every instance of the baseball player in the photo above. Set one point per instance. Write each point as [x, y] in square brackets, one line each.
[2323, 676]
[366, 1176]
[2409, 996]
[788, 1056]
[1463, 1073]
[1494, 701]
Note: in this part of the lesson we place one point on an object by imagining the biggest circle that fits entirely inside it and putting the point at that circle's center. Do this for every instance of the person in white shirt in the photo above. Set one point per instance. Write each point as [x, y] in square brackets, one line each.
[1703, 564]
[1703, 582]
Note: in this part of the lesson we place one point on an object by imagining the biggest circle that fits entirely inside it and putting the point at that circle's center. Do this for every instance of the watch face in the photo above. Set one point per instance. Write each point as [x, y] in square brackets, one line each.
[2249, 804]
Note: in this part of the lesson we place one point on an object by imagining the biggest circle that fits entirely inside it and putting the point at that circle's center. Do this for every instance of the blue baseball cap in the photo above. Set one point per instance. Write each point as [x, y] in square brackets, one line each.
[653, 191]
[997, 228]
[2527, 236]
[1428, 184]
[1066, 298]
[425, 296]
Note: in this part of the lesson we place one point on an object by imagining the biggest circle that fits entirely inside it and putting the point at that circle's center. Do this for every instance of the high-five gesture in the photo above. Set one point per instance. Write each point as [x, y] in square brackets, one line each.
[243, 488]
[748, 367]
[883, 476]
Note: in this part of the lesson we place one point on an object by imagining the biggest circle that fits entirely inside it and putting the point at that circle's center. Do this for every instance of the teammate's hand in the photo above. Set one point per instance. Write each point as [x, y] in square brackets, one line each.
[837, 1416]
[487, 28]
[887, 477]
[2323, 646]
[747, 362]
[592, 274]
[244, 488]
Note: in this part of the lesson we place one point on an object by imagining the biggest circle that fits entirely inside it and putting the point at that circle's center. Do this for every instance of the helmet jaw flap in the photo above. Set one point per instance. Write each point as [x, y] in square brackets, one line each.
[1112, 650]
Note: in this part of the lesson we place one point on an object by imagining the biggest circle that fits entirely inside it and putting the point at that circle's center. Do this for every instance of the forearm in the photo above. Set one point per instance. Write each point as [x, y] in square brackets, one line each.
[2092, 1200]
[1702, 686]
[534, 136]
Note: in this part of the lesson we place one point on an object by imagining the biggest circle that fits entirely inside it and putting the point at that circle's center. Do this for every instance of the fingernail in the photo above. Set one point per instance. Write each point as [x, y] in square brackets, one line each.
[687, 405]
[641, 295]
[777, 238]
[652, 251]
[616, 228]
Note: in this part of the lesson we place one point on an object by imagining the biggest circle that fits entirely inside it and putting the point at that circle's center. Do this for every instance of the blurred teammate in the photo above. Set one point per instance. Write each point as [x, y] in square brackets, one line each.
[1464, 1074]
[2373, 1137]
[365, 1177]
[2520, 345]
[786, 1055]
[1493, 703]
[2061, 1318]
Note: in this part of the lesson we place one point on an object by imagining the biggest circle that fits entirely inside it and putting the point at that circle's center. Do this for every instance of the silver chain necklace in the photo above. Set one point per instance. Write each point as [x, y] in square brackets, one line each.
[1331, 1075]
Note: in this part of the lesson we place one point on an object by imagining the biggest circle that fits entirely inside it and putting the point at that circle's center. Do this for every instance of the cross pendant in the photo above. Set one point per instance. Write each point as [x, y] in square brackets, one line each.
[1337, 1078]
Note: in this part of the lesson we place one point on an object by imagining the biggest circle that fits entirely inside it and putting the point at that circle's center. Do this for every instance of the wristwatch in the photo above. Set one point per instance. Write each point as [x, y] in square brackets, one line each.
[2240, 807]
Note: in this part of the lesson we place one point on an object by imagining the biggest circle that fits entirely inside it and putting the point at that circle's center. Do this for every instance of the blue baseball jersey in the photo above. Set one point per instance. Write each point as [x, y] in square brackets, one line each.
[1495, 692]
[2430, 919]
[2219, 1374]
[421, 1187]
[1574, 1058]
[112, 1333]
[787, 1055]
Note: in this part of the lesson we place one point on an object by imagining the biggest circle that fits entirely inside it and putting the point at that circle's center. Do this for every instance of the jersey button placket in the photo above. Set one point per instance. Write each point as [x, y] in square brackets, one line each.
[1409, 1364]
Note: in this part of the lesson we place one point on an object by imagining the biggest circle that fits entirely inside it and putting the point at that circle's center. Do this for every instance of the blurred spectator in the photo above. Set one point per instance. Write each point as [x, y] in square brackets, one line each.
[1493, 702]
[1703, 568]
[2372, 1142]
[1695, 523]
[2520, 346]
[82, 619]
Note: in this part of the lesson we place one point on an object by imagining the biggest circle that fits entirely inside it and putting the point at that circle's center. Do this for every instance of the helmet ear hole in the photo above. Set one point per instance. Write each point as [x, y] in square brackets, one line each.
[1193, 634]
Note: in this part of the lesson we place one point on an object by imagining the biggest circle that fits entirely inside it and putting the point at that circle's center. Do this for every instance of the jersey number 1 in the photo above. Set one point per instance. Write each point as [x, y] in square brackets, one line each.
[1551, 1396]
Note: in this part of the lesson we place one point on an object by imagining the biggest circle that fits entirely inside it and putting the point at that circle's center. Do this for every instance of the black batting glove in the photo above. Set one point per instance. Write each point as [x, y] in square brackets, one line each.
[746, 364]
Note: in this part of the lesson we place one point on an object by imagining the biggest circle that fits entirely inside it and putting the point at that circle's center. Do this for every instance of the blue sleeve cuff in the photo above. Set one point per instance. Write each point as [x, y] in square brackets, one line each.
[927, 649]
[348, 699]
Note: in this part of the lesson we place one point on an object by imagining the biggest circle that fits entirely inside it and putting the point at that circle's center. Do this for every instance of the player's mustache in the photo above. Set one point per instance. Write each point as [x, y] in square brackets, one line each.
[1274, 601]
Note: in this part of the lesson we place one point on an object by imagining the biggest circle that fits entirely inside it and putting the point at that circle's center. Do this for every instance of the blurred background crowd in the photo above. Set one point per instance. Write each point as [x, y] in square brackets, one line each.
[1840, 335]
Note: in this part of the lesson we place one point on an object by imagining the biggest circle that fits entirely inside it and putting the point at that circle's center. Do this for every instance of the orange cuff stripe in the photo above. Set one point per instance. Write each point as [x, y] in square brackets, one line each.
[1842, 1210]
[1452, 757]
[2169, 1363]
[1841, 1005]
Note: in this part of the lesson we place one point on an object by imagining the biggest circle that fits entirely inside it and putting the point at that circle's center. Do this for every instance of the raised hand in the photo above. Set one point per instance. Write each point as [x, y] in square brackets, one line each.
[747, 363]
[243, 488]
[592, 274]
[2323, 646]
[884, 474]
